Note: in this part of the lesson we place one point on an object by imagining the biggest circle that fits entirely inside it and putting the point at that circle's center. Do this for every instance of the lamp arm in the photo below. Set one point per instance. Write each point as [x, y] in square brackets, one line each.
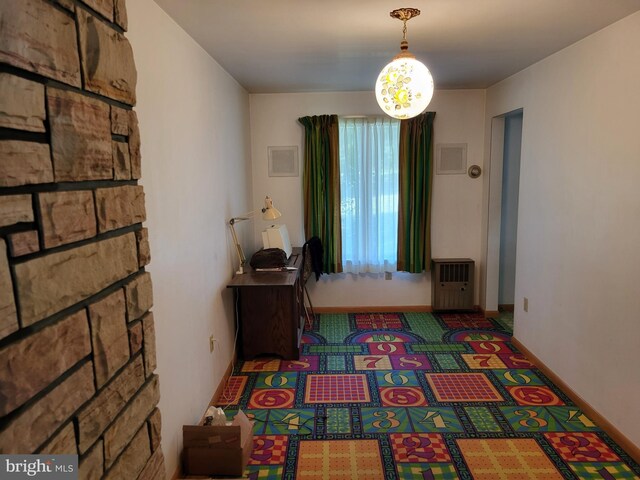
[269, 212]
[242, 259]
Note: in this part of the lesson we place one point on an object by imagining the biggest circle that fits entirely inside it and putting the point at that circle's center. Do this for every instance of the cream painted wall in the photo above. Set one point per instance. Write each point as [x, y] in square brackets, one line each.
[578, 228]
[194, 122]
[457, 199]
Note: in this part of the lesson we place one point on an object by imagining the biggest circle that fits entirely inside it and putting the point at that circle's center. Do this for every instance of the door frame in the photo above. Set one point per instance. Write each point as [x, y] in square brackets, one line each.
[491, 277]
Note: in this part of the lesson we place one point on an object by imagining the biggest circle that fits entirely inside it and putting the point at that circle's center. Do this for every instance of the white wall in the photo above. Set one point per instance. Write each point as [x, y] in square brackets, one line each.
[457, 199]
[578, 228]
[194, 122]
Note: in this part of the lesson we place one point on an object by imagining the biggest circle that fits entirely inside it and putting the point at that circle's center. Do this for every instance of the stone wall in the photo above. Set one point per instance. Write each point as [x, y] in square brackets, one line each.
[77, 339]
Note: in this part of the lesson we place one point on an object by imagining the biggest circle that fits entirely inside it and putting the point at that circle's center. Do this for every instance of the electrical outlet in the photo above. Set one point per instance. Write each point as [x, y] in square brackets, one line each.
[525, 304]
[212, 343]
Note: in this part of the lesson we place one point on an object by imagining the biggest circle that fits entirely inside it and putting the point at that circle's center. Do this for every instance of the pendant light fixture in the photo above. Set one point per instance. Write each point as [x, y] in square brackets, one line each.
[405, 86]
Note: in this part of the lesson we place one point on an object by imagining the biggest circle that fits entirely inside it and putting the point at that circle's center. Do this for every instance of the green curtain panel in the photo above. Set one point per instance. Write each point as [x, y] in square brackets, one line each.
[321, 184]
[414, 210]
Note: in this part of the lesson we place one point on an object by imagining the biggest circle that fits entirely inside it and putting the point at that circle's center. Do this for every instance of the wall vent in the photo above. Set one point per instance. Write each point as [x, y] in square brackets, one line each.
[283, 161]
[451, 158]
[452, 284]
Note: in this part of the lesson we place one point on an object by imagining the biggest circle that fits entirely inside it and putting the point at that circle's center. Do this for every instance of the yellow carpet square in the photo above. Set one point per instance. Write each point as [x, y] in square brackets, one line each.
[372, 362]
[339, 460]
[483, 360]
[262, 365]
[507, 459]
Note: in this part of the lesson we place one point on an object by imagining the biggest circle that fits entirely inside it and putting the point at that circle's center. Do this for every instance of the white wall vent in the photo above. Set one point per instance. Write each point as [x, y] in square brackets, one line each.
[451, 158]
[283, 161]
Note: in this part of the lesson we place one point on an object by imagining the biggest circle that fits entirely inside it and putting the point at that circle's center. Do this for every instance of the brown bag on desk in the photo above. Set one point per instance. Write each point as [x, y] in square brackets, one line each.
[268, 258]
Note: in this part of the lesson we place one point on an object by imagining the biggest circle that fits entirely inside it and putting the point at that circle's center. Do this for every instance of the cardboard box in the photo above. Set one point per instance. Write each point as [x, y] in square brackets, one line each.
[218, 450]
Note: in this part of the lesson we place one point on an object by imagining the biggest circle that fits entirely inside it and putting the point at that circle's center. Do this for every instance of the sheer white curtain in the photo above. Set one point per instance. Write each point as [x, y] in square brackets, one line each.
[369, 193]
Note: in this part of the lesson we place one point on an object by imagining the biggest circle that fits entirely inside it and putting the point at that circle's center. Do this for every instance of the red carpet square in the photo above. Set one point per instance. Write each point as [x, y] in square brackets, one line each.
[402, 397]
[534, 395]
[377, 321]
[463, 387]
[490, 347]
[581, 447]
[385, 348]
[272, 398]
[233, 390]
[337, 389]
[419, 447]
[269, 450]
[454, 321]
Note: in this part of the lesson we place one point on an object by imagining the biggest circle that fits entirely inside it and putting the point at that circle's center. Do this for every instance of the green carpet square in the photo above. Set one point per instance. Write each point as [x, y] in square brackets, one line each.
[338, 420]
[385, 420]
[517, 377]
[265, 472]
[531, 419]
[505, 319]
[482, 419]
[291, 422]
[438, 347]
[435, 419]
[573, 419]
[335, 349]
[396, 378]
[277, 380]
[602, 470]
[425, 325]
[335, 362]
[335, 328]
[446, 361]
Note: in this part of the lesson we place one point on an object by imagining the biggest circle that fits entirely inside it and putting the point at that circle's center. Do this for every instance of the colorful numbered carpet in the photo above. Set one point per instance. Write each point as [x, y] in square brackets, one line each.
[415, 396]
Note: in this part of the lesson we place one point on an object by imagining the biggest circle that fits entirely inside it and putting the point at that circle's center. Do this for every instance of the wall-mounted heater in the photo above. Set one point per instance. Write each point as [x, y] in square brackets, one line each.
[452, 284]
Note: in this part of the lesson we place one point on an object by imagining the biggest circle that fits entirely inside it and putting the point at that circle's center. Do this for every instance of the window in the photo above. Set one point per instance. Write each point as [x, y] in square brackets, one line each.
[369, 193]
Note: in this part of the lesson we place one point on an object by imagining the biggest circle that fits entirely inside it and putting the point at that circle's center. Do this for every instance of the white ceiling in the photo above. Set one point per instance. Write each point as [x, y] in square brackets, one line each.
[273, 46]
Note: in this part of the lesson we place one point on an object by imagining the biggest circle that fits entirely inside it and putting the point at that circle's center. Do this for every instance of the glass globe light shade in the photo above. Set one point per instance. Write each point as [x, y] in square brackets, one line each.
[404, 87]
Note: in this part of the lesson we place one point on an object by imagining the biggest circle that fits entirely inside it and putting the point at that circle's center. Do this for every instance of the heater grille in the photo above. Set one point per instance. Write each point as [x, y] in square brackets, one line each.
[452, 284]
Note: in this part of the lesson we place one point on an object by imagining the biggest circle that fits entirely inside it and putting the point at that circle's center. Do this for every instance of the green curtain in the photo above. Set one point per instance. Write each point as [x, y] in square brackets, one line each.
[414, 212]
[321, 185]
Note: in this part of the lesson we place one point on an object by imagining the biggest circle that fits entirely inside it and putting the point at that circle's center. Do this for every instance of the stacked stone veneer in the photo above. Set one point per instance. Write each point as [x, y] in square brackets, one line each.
[77, 346]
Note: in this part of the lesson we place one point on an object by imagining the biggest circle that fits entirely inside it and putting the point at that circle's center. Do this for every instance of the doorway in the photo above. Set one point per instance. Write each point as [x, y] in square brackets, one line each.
[502, 218]
[509, 210]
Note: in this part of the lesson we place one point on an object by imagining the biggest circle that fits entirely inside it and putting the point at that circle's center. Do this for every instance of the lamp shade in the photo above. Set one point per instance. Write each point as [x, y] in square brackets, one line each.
[269, 212]
[404, 87]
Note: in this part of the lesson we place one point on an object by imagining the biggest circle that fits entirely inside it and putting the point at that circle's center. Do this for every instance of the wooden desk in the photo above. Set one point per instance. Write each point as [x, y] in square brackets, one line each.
[270, 310]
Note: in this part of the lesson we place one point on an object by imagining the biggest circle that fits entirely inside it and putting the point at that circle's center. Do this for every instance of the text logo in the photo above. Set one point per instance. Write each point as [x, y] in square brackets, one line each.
[50, 467]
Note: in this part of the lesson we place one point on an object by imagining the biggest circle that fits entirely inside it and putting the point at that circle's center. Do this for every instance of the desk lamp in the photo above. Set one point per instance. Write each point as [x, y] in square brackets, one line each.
[269, 212]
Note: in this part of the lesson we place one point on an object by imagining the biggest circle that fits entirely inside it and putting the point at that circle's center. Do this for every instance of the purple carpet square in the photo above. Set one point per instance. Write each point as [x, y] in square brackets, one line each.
[306, 363]
[408, 361]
